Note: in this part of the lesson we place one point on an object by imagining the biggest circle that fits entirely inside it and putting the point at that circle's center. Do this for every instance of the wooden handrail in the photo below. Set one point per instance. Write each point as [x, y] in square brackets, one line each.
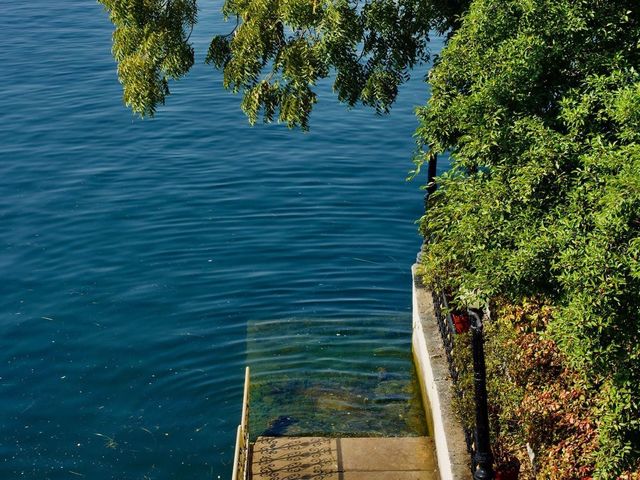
[244, 423]
[241, 455]
[236, 456]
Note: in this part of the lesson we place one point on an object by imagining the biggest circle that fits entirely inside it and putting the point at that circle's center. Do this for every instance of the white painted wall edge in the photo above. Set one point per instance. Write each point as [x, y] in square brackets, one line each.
[437, 387]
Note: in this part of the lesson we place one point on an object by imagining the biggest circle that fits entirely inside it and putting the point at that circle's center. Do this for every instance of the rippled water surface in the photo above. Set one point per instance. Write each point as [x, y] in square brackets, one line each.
[144, 263]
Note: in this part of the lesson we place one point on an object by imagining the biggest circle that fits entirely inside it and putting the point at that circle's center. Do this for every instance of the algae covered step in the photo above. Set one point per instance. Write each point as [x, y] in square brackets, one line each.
[334, 377]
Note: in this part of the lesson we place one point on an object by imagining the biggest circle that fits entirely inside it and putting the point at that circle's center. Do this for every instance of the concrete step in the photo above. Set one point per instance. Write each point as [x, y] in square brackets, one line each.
[321, 458]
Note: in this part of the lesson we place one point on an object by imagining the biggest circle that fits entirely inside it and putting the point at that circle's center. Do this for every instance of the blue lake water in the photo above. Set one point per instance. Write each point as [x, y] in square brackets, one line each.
[144, 263]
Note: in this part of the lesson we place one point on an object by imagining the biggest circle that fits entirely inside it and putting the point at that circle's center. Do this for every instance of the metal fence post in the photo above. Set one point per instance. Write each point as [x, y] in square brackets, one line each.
[483, 457]
[431, 176]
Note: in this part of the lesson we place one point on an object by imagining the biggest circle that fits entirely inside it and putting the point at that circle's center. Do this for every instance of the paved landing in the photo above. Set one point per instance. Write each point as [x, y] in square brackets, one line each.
[319, 458]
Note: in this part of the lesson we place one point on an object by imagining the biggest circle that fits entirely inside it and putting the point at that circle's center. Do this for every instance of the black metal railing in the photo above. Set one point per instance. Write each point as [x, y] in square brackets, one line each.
[477, 438]
[447, 330]
[482, 457]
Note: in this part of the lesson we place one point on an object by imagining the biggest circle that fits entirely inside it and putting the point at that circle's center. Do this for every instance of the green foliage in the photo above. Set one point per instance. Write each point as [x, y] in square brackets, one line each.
[536, 397]
[538, 103]
[151, 45]
[279, 49]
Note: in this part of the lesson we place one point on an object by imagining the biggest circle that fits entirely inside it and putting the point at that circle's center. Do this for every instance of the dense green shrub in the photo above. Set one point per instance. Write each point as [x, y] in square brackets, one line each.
[535, 397]
[538, 103]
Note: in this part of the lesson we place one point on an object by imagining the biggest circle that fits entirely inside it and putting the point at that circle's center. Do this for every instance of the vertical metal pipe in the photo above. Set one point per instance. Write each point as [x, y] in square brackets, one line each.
[431, 175]
[431, 172]
[483, 457]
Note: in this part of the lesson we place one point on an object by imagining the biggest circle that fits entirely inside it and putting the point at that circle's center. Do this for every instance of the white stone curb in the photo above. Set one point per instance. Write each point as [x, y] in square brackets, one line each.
[437, 388]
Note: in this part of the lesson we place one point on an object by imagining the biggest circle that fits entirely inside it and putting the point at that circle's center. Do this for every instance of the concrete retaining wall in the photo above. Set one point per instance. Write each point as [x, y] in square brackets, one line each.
[437, 387]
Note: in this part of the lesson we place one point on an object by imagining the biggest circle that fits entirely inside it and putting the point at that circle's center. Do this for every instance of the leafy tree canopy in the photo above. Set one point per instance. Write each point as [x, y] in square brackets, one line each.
[279, 49]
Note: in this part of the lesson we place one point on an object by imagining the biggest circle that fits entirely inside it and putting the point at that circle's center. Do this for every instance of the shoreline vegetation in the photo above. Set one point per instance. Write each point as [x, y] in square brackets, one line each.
[537, 105]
